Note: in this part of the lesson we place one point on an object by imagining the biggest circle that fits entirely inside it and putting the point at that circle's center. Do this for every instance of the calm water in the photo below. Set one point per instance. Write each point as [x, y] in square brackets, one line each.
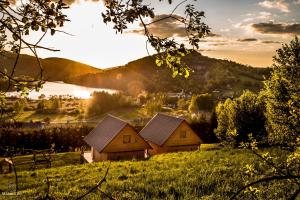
[60, 88]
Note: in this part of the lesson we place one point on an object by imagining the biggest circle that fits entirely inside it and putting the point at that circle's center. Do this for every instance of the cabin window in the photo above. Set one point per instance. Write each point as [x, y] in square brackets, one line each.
[126, 139]
[182, 134]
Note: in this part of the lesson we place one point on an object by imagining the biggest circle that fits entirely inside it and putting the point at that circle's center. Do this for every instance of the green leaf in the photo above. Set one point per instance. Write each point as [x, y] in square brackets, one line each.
[187, 73]
[175, 73]
[159, 62]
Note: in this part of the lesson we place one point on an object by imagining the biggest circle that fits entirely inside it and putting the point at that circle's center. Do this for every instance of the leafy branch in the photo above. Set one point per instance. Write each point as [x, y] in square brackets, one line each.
[169, 51]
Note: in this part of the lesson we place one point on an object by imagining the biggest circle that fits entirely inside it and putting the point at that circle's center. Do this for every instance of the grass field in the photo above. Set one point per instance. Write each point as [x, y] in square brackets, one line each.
[57, 160]
[203, 174]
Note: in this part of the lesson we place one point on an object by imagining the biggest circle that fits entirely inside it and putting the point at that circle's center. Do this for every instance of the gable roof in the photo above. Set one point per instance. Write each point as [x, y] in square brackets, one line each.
[160, 128]
[104, 132]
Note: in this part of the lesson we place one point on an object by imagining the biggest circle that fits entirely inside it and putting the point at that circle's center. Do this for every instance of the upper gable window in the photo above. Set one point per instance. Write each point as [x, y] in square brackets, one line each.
[126, 139]
[182, 134]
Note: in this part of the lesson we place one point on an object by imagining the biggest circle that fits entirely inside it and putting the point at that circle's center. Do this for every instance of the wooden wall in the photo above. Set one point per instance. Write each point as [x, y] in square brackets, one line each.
[126, 155]
[96, 156]
[137, 143]
[159, 150]
[176, 140]
[176, 143]
[118, 155]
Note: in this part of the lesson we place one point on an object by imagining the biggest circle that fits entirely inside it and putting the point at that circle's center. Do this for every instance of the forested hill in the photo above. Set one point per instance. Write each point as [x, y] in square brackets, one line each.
[55, 69]
[208, 75]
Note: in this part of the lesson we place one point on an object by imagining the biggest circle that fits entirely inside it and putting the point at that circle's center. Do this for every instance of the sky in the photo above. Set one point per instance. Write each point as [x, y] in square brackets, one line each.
[245, 31]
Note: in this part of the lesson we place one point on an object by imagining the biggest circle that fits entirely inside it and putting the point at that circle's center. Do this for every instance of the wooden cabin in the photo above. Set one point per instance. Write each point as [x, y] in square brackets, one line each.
[115, 139]
[165, 134]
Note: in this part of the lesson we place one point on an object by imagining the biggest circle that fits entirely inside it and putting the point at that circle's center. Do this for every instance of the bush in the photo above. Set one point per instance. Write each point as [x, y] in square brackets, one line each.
[204, 127]
[182, 104]
[152, 107]
[204, 102]
[102, 102]
[239, 117]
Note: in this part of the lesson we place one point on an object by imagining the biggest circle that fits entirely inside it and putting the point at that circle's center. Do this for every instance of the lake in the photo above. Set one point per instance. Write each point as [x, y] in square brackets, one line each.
[61, 88]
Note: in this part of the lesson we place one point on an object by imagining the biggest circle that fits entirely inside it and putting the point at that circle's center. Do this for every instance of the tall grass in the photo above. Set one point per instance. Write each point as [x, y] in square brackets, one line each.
[213, 174]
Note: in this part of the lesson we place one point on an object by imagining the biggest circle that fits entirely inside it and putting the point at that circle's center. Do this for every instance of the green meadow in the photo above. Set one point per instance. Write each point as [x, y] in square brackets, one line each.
[209, 173]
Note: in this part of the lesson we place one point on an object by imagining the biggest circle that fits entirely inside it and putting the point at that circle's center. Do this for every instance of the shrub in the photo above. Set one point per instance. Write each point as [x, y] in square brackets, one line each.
[204, 127]
[239, 117]
[102, 102]
[182, 104]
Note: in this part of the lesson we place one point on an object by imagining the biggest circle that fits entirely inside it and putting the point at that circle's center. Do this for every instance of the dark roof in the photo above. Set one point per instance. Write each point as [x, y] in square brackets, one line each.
[160, 128]
[105, 132]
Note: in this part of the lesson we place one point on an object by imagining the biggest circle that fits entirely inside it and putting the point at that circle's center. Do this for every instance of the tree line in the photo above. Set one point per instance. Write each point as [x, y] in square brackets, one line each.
[60, 138]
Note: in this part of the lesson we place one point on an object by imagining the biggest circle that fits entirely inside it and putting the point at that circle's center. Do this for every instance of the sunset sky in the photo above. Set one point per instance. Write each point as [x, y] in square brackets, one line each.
[247, 31]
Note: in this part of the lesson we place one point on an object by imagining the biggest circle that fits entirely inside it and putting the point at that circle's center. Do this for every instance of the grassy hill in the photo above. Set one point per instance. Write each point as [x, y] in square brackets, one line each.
[55, 69]
[209, 74]
[204, 174]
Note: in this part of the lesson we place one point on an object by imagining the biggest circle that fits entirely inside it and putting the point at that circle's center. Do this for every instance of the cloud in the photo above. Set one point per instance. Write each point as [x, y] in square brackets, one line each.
[248, 19]
[68, 2]
[237, 25]
[297, 2]
[165, 28]
[264, 15]
[218, 44]
[280, 28]
[257, 40]
[275, 4]
[247, 40]
[225, 30]
[213, 35]
[270, 42]
[203, 50]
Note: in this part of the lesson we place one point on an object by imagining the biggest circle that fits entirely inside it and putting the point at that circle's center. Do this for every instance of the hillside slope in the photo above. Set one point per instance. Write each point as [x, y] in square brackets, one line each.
[208, 74]
[55, 69]
[213, 174]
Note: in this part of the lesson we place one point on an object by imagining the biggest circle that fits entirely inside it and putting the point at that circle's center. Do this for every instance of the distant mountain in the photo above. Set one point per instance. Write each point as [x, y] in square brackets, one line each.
[208, 75]
[55, 69]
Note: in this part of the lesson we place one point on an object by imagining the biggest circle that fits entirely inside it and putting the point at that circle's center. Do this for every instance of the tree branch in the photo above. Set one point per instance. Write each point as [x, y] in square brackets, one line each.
[96, 186]
[268, 179]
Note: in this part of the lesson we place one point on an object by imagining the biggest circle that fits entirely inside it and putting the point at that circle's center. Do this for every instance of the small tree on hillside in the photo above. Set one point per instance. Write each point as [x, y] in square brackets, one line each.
[182, 104]
[283, 95]
[18, 106]
[205, 102]
[193, 107]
